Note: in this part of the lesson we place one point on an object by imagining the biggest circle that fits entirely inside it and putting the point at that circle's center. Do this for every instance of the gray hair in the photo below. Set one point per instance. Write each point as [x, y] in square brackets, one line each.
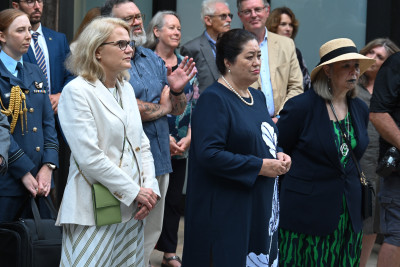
[157, 22]
[390, 48]
[322, 88]
[239, 4]
[208, 7]
[83, 60]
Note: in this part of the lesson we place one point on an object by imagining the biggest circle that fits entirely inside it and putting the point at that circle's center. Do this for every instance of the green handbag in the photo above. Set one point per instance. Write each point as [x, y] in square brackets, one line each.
[106, 207]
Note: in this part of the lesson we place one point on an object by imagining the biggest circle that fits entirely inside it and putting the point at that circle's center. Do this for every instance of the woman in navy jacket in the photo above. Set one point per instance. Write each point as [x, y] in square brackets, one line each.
[33, 152]
[320, 196]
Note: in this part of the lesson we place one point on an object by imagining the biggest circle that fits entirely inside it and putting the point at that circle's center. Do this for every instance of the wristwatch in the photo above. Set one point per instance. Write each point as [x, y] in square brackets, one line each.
[51, 166]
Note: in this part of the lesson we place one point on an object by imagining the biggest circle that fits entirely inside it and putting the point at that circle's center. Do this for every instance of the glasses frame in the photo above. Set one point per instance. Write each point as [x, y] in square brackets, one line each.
[130, 43]
[31, 3]
[222, 16]
[257, 10]
[130, 19]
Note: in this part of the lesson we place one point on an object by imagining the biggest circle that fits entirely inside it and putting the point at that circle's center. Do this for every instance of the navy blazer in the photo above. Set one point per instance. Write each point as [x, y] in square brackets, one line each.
[35, 144]
[58, 49]
[312, 191]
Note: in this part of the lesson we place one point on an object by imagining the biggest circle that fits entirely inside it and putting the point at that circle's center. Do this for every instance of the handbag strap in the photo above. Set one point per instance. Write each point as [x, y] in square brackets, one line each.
[120, 159]
[363, 180]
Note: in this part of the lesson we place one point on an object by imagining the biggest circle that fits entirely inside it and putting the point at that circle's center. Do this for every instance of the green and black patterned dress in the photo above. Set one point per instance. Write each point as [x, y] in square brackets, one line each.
[340, 248]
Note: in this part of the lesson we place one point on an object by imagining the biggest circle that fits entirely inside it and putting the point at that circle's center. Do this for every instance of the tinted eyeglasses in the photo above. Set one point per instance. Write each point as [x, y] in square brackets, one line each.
[222, 16]
[123, 44]
[257, 10]
[31, 3]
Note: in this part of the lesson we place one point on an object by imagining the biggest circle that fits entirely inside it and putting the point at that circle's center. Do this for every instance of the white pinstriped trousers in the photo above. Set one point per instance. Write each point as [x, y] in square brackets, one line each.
[112, 245]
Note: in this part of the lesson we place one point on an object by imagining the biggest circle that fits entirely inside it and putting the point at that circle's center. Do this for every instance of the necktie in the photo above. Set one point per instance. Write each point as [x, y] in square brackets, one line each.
[20, 73]
[41, 61]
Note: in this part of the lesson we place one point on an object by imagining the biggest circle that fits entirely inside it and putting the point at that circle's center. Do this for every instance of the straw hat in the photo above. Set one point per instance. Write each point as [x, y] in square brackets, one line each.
[339, 50]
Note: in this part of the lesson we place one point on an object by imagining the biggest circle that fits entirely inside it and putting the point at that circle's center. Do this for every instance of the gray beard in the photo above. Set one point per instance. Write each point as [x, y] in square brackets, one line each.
[140, 39]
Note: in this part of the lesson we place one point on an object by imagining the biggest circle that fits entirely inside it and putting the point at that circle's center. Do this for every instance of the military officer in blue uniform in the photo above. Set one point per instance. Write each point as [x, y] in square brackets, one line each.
[33, 152]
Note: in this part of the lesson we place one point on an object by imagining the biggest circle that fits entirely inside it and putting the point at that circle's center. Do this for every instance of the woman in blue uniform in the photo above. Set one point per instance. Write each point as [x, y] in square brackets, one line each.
[24, 100]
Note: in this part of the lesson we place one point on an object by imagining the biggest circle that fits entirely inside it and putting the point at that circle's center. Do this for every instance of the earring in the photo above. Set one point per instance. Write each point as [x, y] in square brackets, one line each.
[329, 87]
[229, 70]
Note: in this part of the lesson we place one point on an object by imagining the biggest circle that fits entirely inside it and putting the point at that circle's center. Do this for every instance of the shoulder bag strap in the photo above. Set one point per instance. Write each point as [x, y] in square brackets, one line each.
[363, 180]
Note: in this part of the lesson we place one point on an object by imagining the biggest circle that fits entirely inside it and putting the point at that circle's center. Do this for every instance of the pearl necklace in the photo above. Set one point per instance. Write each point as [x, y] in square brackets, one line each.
[241, 98]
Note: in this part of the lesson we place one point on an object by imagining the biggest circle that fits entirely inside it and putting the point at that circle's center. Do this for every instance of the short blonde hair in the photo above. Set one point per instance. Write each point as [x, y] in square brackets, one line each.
[83, 61]
[322, 88]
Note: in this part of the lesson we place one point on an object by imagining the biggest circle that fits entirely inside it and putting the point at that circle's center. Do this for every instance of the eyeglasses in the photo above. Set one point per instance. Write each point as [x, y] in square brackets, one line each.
[257, 10]
[222, 16]
[123, 44]
[130, 19]
[31, 3]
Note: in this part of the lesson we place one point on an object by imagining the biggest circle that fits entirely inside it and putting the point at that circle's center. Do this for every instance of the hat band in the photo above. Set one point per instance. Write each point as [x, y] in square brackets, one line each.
[337, 52]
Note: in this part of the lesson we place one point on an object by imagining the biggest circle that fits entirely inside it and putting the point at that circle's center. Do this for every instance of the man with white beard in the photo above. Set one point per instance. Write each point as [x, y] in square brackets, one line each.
[159, 92]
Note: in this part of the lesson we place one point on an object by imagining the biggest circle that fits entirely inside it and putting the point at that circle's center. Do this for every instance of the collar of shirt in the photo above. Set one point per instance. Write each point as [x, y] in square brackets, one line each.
[212, 43]
[39, 30]
[10, 63]
[211, 40]
[266, 36]
[138, 52]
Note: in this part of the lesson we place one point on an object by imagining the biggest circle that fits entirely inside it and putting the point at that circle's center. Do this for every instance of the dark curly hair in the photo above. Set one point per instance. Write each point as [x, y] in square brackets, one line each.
[106, 9]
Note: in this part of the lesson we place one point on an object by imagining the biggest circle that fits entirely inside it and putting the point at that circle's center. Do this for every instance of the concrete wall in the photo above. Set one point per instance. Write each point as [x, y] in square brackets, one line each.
[322, 20]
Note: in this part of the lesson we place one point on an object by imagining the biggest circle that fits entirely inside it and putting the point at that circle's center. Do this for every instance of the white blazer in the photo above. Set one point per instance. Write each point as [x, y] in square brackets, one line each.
[93, 123]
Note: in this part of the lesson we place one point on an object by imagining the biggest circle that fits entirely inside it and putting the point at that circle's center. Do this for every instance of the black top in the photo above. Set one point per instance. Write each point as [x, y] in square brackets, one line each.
[386, 95]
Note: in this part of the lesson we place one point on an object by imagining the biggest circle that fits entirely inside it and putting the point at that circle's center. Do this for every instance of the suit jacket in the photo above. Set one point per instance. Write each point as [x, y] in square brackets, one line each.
[286, 76]
[312, 191]
[58, 49]
[94, 125]
[4, 141]
[200, 50]
[34, 144]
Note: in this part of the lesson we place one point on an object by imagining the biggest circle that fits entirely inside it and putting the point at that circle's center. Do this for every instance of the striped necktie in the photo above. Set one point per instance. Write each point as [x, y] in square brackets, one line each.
[41, 61]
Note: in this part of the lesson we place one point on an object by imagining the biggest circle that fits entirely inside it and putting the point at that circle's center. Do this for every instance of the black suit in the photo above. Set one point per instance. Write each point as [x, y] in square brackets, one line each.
[312, 191]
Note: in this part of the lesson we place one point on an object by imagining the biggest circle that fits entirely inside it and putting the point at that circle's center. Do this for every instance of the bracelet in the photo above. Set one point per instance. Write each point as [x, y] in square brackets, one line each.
[177, 94]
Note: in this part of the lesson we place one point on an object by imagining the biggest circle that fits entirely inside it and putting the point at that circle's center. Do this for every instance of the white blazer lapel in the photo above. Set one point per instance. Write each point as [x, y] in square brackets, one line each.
[109, 101]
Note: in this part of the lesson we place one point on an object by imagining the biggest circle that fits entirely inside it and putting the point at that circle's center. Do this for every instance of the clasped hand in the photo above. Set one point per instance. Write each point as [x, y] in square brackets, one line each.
[146, 200]
[39, 185]
[276, 167]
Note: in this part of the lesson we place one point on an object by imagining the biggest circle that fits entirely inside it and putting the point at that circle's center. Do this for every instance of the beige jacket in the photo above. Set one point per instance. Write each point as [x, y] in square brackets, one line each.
[286, 76]
[93, 124]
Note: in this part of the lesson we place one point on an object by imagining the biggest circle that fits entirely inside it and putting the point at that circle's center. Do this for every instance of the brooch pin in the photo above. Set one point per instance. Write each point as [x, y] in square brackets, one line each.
[39, 85]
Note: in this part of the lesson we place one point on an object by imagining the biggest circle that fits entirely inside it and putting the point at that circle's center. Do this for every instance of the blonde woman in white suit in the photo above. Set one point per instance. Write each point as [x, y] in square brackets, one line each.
[101, 122]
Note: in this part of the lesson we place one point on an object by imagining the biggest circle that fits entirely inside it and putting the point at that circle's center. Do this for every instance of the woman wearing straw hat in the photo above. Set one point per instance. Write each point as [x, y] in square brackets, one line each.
[321, 222]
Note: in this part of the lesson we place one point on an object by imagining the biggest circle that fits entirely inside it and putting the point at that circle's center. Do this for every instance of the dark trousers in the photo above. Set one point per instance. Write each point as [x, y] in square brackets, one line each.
[169, 236]
[60, 175]
[14, 207]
